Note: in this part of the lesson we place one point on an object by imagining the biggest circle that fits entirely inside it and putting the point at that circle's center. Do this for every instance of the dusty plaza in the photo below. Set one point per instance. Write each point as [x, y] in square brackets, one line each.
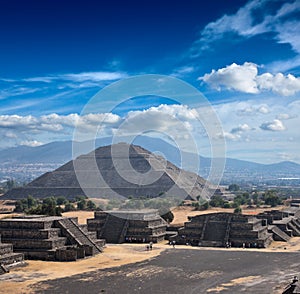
[131, 268]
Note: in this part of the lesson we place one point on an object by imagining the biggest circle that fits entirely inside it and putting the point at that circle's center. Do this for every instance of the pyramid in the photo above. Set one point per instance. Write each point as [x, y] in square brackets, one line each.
[113, 171]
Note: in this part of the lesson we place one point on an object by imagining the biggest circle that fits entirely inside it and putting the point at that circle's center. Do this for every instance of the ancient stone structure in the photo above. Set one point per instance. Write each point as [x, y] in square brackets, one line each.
[50, 238]
[8, 258]
[102, 176]
[283, 224]
[128, 226]
[224, 229]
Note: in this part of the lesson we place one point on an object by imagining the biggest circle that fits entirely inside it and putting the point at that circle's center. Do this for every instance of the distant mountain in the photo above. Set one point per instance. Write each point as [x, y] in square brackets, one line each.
[56, 153]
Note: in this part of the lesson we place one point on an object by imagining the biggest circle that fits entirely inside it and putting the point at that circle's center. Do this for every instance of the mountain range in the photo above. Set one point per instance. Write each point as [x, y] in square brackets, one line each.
[56, 153]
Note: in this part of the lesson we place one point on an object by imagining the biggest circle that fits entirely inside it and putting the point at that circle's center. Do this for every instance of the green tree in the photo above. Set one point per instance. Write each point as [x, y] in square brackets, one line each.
[238, 210]
[168, 216]
[19, 206]
[61, 200]
[31, 202]
[81, 205]
[216, 201]
[49, 206]
[271, 198]
[91, 205]
[69, 207]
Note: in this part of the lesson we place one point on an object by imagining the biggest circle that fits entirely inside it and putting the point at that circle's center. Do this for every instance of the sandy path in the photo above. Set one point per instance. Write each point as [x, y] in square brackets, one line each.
[22, 279]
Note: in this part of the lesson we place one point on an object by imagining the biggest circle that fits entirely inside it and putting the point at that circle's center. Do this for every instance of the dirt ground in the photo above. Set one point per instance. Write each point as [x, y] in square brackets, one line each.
[21, 279]
[82, 215]
[181, 213]
[183, 270]
[25, 279]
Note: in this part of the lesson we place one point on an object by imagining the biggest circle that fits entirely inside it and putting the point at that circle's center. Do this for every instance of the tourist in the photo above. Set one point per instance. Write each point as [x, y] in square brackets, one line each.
[173, 243]
[150, 245]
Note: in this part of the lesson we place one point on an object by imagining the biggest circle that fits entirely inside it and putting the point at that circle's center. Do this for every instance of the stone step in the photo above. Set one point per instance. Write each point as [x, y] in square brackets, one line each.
[3, 269]
[5, 248]
[279, 235]
[77, 235]
[44, 244]
[11, 258]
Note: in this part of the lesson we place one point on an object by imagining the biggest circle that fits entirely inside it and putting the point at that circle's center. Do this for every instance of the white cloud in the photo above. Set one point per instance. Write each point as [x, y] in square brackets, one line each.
[244, 23]
[245, 78]
[56, 123]
[240, 129]
[182, 71]
[229, 136]
[244, 109]
[276, 126]
[176, 120]
[285, 116]
[281, 21]
[235, 77]
[279, 84]
[240, 23]
[97, 76]
[33, 143]
[92, 76]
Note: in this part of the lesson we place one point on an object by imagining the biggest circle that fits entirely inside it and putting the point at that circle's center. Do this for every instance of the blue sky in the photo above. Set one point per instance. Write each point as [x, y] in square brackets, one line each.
[244, 56]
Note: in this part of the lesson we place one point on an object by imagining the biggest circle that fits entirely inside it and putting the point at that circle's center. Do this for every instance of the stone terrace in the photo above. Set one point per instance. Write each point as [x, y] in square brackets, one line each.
[50, 238]
[222, 229]
[128, 226]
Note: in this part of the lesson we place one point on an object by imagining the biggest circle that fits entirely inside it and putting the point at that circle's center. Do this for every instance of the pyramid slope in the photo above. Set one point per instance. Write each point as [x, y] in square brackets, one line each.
[102, 176]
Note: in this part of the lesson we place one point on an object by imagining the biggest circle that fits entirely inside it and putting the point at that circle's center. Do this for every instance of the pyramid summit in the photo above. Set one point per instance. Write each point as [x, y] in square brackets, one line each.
[118, 170]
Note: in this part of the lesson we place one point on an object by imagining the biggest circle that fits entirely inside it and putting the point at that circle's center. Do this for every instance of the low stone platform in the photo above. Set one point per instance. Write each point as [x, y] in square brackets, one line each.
[49, 238]
[224, 229]
[128, 226]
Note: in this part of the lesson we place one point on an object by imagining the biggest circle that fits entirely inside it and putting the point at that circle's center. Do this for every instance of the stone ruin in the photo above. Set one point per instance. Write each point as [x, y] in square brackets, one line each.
[221, 229]
[128, 226]
[283, 224]
[8, 258]
[50, 238]
[224, 229]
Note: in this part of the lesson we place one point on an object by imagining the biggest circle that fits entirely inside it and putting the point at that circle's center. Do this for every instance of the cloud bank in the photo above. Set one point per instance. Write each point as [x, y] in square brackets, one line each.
[245, 78]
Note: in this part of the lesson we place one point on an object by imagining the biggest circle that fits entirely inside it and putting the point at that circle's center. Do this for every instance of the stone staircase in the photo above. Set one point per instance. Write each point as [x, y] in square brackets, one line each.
[114, 229]
[76, 235]
[279, 234]
[8, 257]
[204, 227]
[293, 227]
[227, 233]
[3, 269]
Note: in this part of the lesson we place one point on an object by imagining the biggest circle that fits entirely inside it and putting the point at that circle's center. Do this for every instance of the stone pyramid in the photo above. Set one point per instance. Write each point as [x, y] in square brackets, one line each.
[114, 170]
